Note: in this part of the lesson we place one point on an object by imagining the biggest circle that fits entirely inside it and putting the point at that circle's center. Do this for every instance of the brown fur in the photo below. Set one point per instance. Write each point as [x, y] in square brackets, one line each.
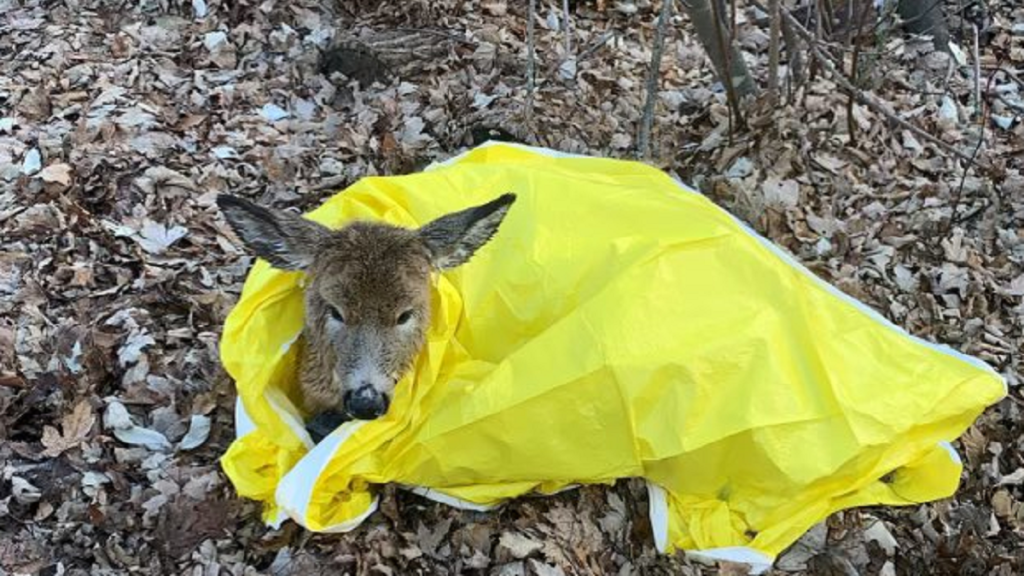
[372, 273]
[367, 294]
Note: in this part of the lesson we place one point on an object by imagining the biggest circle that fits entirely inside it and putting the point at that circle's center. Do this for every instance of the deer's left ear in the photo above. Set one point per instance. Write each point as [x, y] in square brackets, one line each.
[453, 238]
[287, 241]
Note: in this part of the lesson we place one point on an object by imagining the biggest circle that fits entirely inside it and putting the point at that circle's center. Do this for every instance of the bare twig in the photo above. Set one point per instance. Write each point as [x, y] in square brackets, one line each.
[861, 17]
[596, 45]
[977, 148]
[730, 88]
[732, 21]
[826, 12]
[950, 69]
[1012, 75]
[439, 33]
[643, 140]
[1015, 400]
[862, 97]
[795, 56]
[773, 51]
[530, 60]
[977, 72]
[568, 35]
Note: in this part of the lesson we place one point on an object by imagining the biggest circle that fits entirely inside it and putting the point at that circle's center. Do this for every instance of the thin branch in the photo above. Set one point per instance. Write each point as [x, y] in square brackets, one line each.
[596, 45]
[530, 61]
[439, 33]
[795, 57]
[851, 124]
[773, 51]
[730, 87]
[568, 35]
[977, 148]
[863, 98]
[1012, 75]
[733, 28]
[861, 17]
[977, 72]
[643, 140]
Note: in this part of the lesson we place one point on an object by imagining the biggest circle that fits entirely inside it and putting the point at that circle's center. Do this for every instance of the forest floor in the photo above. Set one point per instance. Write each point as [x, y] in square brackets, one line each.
[120, 122]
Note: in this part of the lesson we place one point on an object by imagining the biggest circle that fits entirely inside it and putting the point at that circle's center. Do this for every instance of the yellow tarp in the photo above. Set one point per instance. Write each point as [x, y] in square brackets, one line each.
[618, 325]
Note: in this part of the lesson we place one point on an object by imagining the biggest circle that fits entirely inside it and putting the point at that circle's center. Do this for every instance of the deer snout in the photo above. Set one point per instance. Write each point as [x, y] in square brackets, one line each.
[365, 402]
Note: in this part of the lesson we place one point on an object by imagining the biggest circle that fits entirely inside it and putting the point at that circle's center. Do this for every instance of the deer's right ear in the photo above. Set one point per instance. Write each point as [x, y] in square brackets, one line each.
[287, 241]
[453, 238]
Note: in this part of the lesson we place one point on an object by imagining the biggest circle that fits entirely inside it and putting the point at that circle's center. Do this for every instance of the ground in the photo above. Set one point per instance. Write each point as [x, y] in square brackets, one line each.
[121, 121]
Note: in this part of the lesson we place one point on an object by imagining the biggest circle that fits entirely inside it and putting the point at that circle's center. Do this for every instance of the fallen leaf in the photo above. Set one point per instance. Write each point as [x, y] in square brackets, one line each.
[510, 569]
[198, 432]
[830, 163]
[31, 163]
[1002, 503]
[91, 481]
[781, 193]
[615, 520]
[199, 487]
[429, 540]
[808, 546]
[273, 112]
[567, 70]
[878, 532]
[541, 569]
[156, 238]
[741, 168]
[132, 348]
[213, 40]
[519, 545]
[282, 564]
[76, 425]
[117, 420]
[948, 110]
[1013, 479]
[23, 490]
[56, 173]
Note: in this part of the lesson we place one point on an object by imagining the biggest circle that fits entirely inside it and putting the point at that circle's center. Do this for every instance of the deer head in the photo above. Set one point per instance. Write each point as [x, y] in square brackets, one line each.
[367, 294]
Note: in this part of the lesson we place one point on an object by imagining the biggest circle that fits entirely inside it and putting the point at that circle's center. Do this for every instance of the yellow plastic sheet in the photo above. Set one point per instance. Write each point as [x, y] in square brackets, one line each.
[618, 325]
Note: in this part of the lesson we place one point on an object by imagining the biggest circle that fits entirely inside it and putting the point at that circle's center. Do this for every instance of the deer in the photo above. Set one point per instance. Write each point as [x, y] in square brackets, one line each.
[366, 296]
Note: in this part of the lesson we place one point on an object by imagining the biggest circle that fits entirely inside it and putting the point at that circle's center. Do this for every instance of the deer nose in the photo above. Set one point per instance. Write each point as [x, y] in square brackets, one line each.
[365, 403]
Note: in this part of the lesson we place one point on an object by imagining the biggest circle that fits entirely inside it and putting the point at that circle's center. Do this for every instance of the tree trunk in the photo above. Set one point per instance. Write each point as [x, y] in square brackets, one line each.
[927, 18]
[725, 55]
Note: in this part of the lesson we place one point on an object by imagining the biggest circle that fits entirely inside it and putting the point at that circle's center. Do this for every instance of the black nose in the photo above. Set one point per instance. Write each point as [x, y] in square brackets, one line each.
[365, 403]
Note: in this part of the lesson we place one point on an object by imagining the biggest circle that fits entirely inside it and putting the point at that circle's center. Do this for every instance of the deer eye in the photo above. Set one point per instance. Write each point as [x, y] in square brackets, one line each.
[404, 317]
[336, 314]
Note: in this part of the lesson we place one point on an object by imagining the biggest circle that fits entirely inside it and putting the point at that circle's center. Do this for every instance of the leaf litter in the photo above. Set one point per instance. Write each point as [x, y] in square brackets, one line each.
[118, 128]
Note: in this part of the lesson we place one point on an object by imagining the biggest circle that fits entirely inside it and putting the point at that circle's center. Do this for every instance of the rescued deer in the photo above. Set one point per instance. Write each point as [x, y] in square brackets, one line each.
[367, 296]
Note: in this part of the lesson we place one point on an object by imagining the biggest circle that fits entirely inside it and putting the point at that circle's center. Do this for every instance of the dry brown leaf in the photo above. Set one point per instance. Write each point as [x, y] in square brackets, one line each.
[154, 113]
[57, 173]
[76, 425]
[519, 545]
